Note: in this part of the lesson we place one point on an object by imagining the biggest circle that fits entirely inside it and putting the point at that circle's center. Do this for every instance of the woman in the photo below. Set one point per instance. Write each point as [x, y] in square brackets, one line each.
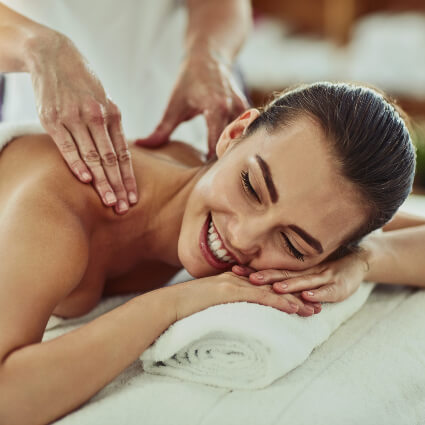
[293, 186]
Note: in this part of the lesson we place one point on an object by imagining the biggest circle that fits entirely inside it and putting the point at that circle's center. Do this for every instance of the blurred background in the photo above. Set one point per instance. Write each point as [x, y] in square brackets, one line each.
[379, 42]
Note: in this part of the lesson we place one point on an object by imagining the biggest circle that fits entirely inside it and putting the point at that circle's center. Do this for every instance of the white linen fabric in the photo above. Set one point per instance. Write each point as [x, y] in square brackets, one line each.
[135, 47]
[244, 345]
[370, 371]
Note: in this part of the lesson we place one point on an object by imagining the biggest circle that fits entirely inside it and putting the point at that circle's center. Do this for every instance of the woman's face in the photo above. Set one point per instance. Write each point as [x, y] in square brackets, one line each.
[269, 201]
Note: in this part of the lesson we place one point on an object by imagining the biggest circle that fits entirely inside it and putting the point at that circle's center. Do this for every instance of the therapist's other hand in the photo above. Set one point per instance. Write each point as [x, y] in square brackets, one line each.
[205, 85]
[83, 122]
[331, 281]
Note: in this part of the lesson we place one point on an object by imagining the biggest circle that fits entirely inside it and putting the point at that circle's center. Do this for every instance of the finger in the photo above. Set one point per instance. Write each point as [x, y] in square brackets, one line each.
[270, 276]
[301, 283]
[69, 151]
[327, 293]
[96, 117]
[216, 122]
[91, 158]
[304, 308]
[242, 270]
[123, 154]
[176, 113]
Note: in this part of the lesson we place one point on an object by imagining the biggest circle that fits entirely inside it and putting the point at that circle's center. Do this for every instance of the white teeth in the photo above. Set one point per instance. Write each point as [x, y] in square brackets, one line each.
[215, 244]
[221, 252]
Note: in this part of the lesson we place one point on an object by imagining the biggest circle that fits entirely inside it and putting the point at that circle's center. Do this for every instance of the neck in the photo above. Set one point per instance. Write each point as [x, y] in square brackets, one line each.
[151, 228]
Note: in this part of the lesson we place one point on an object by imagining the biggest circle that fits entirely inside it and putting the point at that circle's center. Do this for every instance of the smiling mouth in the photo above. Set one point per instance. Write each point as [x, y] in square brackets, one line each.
[212, 246]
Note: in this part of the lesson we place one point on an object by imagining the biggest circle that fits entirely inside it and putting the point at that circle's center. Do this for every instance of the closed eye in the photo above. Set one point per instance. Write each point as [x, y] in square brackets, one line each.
[297, 254]
[248, 186]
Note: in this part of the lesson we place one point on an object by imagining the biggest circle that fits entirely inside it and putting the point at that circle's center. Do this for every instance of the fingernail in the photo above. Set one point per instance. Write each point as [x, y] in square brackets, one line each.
[110, 198]
[86, 176]
[122, 206]
[259, 276]
[132, 197]
[283, 286]
[309, 293]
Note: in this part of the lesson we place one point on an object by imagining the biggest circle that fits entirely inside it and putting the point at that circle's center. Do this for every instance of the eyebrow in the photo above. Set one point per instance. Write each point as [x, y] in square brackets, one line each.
[265, 169]
[308, 238]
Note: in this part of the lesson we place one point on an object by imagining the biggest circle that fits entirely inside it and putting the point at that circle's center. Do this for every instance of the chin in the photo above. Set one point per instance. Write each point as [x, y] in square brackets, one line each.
[194, 267]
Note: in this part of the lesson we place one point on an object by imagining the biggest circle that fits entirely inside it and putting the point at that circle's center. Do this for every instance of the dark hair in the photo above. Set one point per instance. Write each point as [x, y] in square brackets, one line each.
[368, 137]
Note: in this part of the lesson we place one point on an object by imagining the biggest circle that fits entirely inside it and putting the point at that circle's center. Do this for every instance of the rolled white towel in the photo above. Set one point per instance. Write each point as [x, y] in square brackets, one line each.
[244, 345]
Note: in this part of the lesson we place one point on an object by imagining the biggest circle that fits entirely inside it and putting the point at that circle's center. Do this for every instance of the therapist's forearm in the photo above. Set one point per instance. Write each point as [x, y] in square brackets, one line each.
[397, 257]
[218, 26]
[18, 37]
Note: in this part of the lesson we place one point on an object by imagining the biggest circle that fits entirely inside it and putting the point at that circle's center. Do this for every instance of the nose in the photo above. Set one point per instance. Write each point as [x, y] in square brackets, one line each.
[245, 238]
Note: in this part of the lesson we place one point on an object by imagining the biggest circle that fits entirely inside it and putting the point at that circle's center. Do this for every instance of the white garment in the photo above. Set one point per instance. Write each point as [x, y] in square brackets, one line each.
[134, 47]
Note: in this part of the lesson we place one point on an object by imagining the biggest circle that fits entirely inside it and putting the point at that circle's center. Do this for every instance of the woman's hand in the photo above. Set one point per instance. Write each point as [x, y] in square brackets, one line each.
[332, 281]
[205, 85]
[83, 122]
[196, 295]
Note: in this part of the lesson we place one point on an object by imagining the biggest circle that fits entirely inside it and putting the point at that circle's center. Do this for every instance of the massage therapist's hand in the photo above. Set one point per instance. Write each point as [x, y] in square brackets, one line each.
[199, 294]
[205, 85]
[83, 122]
[331, 281]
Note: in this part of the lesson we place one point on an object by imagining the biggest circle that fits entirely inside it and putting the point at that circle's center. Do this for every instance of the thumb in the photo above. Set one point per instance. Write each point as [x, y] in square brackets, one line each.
[161, 135]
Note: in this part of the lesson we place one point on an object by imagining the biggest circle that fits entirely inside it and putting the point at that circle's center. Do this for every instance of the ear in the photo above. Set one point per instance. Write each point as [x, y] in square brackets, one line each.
[235, 130]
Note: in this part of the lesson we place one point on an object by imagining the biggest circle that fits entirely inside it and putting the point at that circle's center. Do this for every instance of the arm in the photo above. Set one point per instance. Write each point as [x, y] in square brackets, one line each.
[397, 255]
[15, 32]
[72, 106]
[44, 254]
[217, 27]
[205, 85]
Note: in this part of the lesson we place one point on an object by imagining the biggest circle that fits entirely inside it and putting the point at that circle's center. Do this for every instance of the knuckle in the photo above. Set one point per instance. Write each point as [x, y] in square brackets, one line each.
[77, 164]
[109, 158]
[67, 146]
[102, 184]
[91, 157]
[48, 115]
[114, 112]
[284, 274]
[129, 182]
[124, 155]
[97, 119]
[94, 112]
[69, 116]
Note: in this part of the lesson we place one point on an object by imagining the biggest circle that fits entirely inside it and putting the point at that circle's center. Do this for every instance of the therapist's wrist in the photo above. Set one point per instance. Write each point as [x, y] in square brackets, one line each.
[40, 44]
[207, 51]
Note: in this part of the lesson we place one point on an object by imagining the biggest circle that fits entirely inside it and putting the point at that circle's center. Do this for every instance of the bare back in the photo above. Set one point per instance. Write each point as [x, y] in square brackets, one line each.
[33, 177]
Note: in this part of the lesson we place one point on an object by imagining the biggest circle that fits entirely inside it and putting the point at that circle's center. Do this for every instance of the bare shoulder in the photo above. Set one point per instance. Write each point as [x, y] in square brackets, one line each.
[180, 152]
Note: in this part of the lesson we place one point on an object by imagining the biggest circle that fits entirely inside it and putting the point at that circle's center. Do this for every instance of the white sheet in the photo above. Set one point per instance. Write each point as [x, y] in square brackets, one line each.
[370, 371]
